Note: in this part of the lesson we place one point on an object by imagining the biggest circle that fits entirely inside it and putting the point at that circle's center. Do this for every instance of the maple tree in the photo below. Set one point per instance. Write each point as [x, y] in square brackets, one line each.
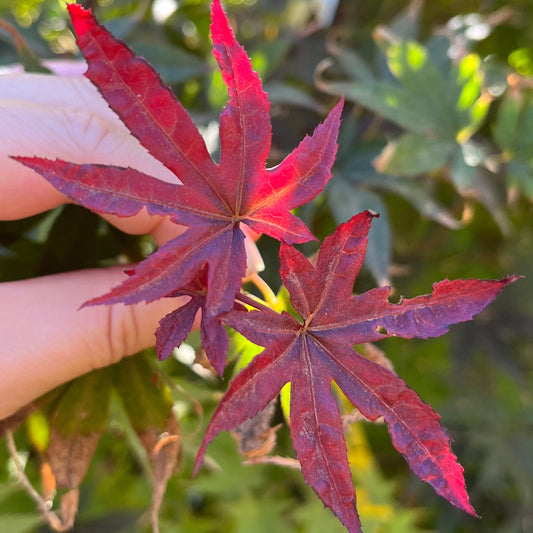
[217, 202]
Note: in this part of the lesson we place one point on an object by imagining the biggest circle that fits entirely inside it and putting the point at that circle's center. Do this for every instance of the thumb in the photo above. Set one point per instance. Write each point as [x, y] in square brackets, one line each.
[46, 339]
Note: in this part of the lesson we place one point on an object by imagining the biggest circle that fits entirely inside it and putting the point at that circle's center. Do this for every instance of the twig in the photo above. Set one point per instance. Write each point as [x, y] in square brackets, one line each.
[53, 520]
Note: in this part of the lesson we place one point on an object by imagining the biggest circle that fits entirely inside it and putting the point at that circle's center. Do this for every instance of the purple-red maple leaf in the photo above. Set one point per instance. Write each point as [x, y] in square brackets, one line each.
[216, 199]
[317, 350]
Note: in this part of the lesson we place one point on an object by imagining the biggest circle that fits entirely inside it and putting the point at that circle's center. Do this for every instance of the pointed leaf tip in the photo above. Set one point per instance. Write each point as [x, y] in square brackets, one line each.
[220, 27]
[217, 11]
[79, 16]
[335, 115]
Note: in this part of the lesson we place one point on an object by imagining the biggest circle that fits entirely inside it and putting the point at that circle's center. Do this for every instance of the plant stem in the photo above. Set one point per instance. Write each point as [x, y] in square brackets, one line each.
[265, 289]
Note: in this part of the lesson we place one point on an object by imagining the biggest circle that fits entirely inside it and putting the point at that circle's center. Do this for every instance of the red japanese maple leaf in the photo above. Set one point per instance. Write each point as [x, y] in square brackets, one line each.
[316, 350]
[216, 199]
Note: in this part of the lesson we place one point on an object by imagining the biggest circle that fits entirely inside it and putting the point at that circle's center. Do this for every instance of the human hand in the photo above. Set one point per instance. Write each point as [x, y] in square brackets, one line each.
[45, 339]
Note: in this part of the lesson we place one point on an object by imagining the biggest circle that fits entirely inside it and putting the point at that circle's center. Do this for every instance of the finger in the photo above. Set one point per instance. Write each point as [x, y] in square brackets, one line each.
[47, 340]
[64, 118]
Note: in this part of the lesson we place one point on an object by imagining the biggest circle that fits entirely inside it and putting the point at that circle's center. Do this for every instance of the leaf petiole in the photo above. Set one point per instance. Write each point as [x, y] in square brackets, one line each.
[268, 294]
[253, 301]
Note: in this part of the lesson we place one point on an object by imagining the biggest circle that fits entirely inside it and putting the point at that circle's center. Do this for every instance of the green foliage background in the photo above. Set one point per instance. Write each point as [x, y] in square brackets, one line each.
[437, 136]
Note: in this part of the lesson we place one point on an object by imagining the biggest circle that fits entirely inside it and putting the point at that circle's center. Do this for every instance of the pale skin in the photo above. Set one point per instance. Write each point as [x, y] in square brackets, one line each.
[45, 338]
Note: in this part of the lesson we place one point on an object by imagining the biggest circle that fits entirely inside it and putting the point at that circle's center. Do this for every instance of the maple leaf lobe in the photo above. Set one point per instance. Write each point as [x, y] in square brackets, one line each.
[137, 94]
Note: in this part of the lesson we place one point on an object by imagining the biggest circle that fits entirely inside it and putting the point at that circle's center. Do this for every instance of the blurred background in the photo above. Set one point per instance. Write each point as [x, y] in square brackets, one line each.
[437, 136]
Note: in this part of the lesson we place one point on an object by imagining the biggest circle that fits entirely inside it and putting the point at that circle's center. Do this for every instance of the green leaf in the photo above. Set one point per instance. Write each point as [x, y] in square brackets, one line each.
[352, 64]
[405, 26]
[472, 180]
[284, 93]
[521, 59]
[148, 403]
[417, 194]
[260, 515]
[425, 100]
[344, 200]
[12, 518]
[413, 154]
[387, 100]
[312, 518]
[506, 126]
[521, 174]
[146, 397]
[466, 160]
[245, 350]
[173, 64]
[83, 407]
[513, 132]
[20, 522]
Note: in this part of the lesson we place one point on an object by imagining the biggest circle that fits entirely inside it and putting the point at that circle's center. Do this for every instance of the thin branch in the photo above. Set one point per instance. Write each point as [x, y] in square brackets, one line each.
[43, 505]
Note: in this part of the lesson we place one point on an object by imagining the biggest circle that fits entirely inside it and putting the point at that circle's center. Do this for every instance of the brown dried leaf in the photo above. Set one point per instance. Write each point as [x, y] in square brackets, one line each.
[165, 457]
[69, 508]
[255, 437]
[70, 457]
